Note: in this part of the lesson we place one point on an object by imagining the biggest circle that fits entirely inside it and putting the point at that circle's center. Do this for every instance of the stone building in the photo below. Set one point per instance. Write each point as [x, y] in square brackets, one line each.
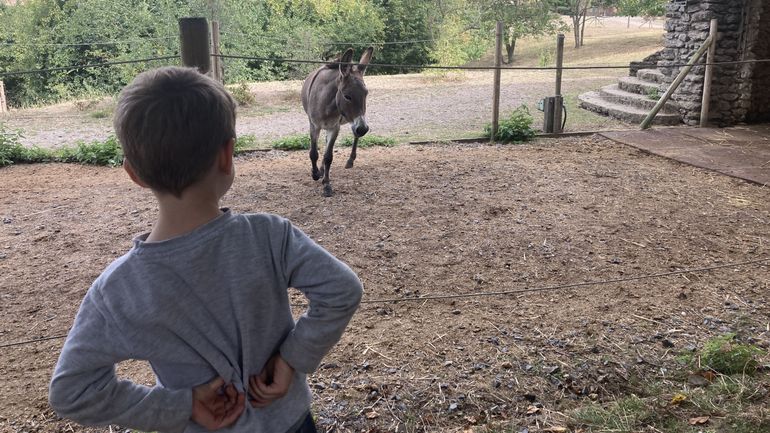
[739, 93]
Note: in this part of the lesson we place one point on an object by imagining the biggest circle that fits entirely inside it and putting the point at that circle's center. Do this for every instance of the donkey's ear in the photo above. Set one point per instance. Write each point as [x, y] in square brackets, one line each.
[365, 58]
[345, 65]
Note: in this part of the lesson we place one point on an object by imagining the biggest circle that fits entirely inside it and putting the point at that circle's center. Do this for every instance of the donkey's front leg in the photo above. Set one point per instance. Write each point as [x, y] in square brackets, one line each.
[314, 132]
[331, 137]
[352, 153]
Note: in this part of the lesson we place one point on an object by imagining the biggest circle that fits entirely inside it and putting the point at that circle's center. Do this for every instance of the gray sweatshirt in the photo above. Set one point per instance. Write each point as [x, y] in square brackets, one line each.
[210, 303]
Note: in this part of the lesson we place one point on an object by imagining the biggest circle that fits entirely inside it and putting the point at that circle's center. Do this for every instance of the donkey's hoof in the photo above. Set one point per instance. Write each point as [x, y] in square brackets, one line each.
[349, 164]
[328, 190]
[316, 175]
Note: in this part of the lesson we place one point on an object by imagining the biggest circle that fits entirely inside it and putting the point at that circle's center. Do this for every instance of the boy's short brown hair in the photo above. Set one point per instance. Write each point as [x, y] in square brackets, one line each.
[171, 122]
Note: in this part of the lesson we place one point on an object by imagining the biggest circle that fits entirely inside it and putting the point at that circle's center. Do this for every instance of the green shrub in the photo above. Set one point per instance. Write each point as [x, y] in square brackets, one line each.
[244, 142]
[369, 141]
[242, 95]
[302, 142]
[514, 129]
[292, 142]
[107, 152]
[724, 355]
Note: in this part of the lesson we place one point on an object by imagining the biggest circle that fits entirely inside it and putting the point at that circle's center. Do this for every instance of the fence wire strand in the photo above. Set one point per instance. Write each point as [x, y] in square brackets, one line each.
[91, 65]
[489, 294]
[483, 68]
[84, 44]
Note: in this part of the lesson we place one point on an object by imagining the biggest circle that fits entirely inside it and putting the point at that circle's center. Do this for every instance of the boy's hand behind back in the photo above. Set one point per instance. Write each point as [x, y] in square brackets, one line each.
[216, 406]
[272, 383]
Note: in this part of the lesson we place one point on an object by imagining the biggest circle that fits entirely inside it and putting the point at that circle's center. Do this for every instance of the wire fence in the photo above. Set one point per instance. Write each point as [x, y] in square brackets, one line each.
[84, 44]
[523, 291]
[86, 66]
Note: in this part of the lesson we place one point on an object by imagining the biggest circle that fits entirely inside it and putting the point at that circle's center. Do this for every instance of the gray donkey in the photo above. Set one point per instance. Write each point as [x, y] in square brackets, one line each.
[333, 95]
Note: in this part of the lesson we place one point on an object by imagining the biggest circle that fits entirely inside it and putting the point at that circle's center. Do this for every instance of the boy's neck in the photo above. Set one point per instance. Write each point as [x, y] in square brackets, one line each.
[181, 216]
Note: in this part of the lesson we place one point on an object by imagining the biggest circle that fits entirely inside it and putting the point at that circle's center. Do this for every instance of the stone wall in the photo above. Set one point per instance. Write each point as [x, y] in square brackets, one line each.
[743, 34]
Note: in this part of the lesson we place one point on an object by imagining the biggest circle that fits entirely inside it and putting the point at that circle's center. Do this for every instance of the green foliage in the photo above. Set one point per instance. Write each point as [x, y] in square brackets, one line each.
[292, 142]
[107, 152]
[302, 142]
[546, 57]
[245, 142]
[369, 141]
[514, 129]
[242, 95]
[38, 34]
[653, 93]
[624, 415]
[724, 355]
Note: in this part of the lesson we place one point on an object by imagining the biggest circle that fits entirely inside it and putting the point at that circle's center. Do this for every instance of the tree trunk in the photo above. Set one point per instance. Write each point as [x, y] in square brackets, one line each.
[628, 25]
[583, 25]
[576, 28]
[510, 45]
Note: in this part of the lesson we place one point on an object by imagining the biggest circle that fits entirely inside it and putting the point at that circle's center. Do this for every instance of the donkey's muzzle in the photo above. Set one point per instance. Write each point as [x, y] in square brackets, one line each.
[359, 126]
[361, 130]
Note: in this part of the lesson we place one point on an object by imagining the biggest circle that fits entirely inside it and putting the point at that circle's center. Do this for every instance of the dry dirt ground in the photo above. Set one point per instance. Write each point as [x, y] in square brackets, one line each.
[436, 220]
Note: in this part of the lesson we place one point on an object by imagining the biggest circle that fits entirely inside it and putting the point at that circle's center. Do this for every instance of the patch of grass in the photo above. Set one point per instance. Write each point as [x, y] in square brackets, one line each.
[292, 142]
[245, 142]
[369, 141]
[622, 416]
[242, 95]
[101, 114]
[302, 142]
[725, 355]
[653, 94]
[107, 152]
[516, 128]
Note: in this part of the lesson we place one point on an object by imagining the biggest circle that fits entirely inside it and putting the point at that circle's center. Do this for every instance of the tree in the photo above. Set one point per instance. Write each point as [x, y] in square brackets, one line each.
[577, 11]
[520, 18]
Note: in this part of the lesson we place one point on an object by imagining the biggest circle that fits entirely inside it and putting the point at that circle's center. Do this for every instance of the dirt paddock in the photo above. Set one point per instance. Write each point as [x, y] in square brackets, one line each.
[433, 220]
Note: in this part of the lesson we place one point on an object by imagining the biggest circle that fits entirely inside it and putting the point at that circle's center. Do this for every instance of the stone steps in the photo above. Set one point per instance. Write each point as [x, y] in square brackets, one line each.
[594, 101]
[651, 75]
[613, 93]
[637, 85]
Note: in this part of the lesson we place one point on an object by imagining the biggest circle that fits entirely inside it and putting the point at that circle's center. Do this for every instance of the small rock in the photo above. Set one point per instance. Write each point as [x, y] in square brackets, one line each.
[506, 365]
[667, 343]
[448, 363]
[552, 370]
[453, 407]
[456, 312]
[7, 220]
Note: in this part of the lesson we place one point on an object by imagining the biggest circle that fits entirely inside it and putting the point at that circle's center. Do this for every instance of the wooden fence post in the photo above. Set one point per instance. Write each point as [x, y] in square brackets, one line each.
[558, 100]
[195, 43]
[216, 60]
[3, 101]
[496, 89]
[710, 57]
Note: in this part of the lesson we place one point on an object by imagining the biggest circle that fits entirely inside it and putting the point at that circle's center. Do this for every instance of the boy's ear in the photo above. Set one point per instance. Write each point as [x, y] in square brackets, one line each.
[225, 158]
[132, 174]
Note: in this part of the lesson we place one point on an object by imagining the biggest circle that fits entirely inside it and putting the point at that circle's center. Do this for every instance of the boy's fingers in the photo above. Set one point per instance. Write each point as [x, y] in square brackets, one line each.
[233, 415]
[215, 384]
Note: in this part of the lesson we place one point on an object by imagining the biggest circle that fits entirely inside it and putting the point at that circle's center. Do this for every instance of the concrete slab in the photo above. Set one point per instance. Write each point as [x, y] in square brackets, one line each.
[741, 151]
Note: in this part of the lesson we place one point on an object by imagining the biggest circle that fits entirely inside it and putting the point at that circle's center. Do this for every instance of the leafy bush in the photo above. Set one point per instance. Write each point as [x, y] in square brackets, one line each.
[725, 355]
[369, 141]
[514, 129]
[302, 142]
[244, 142]
[242, 95]
[292, 142]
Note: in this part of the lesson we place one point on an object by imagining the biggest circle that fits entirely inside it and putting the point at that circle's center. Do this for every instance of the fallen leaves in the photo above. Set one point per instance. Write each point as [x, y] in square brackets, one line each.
[699, 420]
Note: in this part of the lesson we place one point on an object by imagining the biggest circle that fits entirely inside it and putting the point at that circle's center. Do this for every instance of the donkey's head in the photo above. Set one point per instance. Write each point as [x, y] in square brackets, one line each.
[351, 90]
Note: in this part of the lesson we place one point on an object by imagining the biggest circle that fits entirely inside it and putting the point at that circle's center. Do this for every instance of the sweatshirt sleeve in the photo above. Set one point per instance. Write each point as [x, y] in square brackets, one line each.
[333, 291]
[86, 389]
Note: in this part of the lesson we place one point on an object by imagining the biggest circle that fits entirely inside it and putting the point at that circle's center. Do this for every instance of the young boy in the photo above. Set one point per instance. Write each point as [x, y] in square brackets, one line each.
[203, 296]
